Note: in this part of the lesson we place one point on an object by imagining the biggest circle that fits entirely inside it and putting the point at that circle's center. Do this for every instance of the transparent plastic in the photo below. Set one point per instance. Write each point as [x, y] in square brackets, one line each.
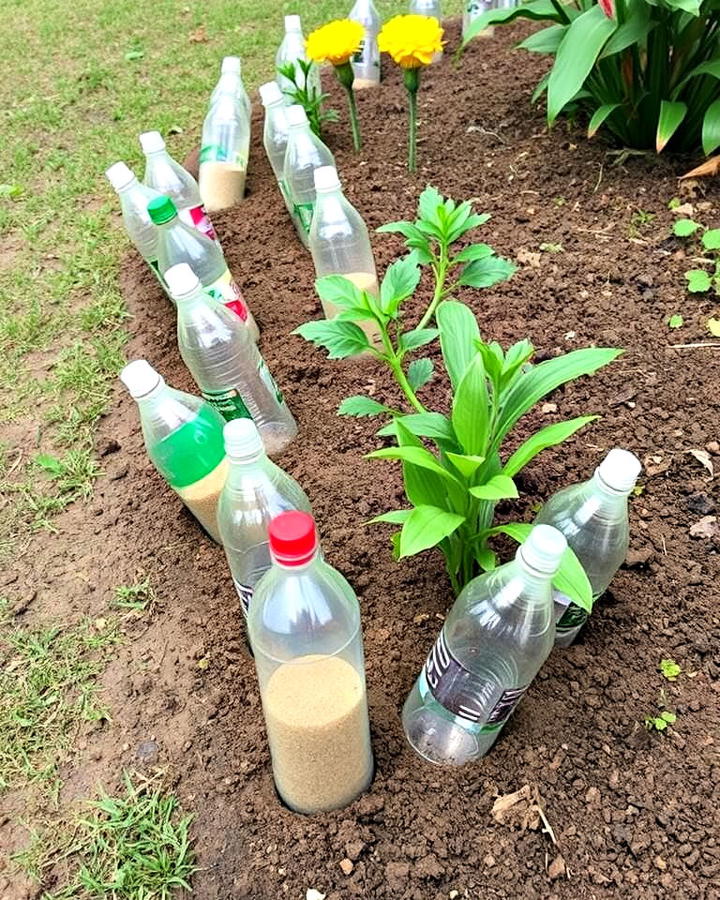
[275, 138]
[494, 640]
[291, 49]
[231, 81]
[304, 627]
[340, 245]
[428, 8]
[593, 516]
[134, 198]
[229, 370]
[224, 152]
[168, 177]
[366, 62]
[473, 9]
[305, 153]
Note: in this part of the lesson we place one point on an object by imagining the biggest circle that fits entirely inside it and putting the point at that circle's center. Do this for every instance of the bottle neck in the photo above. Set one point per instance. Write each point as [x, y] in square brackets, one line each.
[244, 467]
[294, 569]
[130, 186]
[330, 194]
[610, 500]
[537, 584]
[153, 393]
[188, 301]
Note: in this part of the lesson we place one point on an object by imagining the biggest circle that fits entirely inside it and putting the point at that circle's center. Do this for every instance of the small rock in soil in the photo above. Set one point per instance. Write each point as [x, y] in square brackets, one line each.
[700, 503]
[637, 558]
[148, 752]
[556, 867]
[346, 866]
[707, 527]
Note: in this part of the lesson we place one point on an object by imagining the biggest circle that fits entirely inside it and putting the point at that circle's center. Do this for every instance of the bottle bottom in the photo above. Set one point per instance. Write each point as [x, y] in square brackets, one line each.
[567, 638]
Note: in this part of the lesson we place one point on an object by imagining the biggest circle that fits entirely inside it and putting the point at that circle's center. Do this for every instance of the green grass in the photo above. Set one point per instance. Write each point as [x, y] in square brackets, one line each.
[139, 597]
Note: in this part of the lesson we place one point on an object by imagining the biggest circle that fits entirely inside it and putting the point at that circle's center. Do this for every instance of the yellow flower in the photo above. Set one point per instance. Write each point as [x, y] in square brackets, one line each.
[412, 41]
[335, 42]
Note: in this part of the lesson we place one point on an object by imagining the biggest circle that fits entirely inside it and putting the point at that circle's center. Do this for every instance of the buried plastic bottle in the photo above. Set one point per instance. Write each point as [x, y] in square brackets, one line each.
[305, 152]
[224, 151]
[231, 81]
[275, 132]
[494, 640]
[366, 62]
[593, 516]
[183, 438]
[256, 490]
[304, 629]
[291, 49]
[473, 10]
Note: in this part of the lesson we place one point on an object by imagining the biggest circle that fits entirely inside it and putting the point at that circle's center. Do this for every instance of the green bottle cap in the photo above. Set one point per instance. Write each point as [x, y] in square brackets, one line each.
[161, 210]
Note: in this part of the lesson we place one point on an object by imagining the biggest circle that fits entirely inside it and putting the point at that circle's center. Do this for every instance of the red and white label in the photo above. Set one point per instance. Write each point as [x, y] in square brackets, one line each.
[196, 217]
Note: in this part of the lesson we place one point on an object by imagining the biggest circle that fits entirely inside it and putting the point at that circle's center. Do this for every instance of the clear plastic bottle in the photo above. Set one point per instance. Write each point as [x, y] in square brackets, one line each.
[169, 178]
[291, 49]
[593, 516]
[428, 8]
[256, 490]
[340, 243]
[304, 628]
[473, 9]
[231, 80]
[224, 152]
[134, 198]
[305, 153]
[183, 438]
[366, 62]
[494, 640]
[275, 132]
[225, 363]
[178, 243]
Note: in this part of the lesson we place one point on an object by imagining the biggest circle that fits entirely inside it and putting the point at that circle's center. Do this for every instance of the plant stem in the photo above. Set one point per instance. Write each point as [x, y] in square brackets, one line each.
[440, 275]
[411, 80]
[405, 385]
[345, 76]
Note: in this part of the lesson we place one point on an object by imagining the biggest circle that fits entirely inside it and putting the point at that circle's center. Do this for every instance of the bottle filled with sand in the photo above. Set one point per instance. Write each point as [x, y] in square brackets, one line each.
[304, 628]
[224, 151]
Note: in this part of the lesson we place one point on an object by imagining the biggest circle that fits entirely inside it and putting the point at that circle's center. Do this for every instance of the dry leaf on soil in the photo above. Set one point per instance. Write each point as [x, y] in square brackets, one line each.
[199, 36]
[528, 258]
[522, 809]
[703, 457]
[707, 527]
[709, 167]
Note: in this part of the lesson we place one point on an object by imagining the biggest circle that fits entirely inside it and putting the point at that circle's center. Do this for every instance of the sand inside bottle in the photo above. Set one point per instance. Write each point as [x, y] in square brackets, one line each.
[201, 498]
[364, 281]
[221, 185]
[317, 723]
[362, 84]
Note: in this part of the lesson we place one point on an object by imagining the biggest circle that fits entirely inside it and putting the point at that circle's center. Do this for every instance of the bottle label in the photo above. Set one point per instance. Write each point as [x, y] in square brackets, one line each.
[245, 593]
[367, 55]
[226, 290]
[573, 617]
[269, 381]
[228, 403]
[304, 213]
[476, 8]
[196, 217]
[462, 693]
[216, 153]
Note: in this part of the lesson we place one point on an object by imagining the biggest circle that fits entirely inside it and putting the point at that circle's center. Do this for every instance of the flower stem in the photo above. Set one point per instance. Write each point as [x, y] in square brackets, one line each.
[354, 123]
[411, 79]
[440, 275]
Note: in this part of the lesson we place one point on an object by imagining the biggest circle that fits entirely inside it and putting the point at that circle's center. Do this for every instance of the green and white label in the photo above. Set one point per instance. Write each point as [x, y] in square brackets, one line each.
[228, 403]
[304, 213]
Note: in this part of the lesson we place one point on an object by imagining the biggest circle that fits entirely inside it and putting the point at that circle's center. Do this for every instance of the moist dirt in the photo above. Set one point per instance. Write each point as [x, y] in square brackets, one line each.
[625, 812]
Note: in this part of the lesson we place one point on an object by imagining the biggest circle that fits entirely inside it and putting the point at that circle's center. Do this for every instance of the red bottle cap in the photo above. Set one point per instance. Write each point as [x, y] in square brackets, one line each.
[293, 538]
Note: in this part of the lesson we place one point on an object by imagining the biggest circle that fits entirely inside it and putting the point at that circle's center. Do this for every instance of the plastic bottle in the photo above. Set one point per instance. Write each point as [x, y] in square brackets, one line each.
[593, 516]
[493, 642]
[275, 132]
[305, 153]
[178, 243]
[291, 49]
[225, 363]
[224, 152]
[134, 198]
[169, 178]
[183, 438]
[231, 80]
[304, 628]
[473, 9]
[428, 8]
[256, 490]
[340, 243]
[366, 62]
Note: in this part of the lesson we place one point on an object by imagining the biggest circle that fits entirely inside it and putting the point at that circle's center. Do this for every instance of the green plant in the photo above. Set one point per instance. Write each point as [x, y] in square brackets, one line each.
[660, 722]
[453, 485]
[676, 321]
[307, 95]
[699, 280]
[669, 669]
[138, 596]
[640, 68]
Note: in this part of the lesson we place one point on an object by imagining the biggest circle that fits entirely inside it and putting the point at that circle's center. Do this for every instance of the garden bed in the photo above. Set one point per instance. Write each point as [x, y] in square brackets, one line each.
[634, 813]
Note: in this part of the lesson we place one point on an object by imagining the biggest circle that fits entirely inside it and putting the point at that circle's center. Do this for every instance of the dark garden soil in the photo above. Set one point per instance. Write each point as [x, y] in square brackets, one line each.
[634, 814]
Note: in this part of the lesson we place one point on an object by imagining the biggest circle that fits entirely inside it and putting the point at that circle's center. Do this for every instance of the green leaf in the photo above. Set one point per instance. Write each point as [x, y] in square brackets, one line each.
[668, 716]
[425, 527]
[486, 558]
[576, 56]
[689, 6]
[669, 669]
[483, 273]
[400, 281]
[711, 128]
[518, 531]
[418, 337]
[571, 579]
[395, 517]
[499, 487]
[676, 321]
[599, 116]
[359, 405]
[711, 239]
[11, 191]
[538, 10]
[516, 357]
[636, 27]
[340, 339]
[473, 252]
[466, 464]
[50, 464]
[339, 291]
[422, 486]
[713, 326]
[546, 437]
[132, 55]
[471, 409]
[685, 227]
[419, 373]
[540, 88]
[458, 333]
[698, 281]
[428, 204]
[545, 41]
[431, 425]
[672, 112]
[417, 456]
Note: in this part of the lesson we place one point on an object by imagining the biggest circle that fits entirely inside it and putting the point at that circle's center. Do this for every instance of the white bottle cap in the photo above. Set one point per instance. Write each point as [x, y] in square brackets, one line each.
[230, 64]
[242, 439]
[270, 93]
[543, 549]
[292, 23]
[619, 470]
[119, 175]
[296, 115]
[151, 141]
[140, 378]
[326, 178]
[181, 281]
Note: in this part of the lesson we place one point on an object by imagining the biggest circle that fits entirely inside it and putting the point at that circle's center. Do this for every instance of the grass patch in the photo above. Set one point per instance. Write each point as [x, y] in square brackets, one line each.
[139, 596]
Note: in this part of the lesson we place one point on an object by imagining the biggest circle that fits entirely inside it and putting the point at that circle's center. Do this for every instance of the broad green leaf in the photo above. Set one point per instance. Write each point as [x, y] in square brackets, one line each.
[395, 517]
[599, 116]
[689, 6]
[425, 527]
[711, 128]
[473, 252]
[431, 425]
[400, 281]
[493, 359]
[422, 487]
[518, 531]
[572, 580]
[483, 273]
[698, 281]
[636, 27]
[339, 291]
[418, 337]
[676, 321]
[545, 41]
[416, 456]
[685, 227]
[361, 406]
[471, 409]
[340, 339]
[429, 202]
[711, 68]
[499, 487]
[546, 437]
[540, 88]
[458, 333]
[49, 463]
[472, 221]
[419, 373]
[465, 464]
[711, 239]
[672, 112]
[406, 229]
[576, 56]
[516, 357]
[538, 10]
[486, 558]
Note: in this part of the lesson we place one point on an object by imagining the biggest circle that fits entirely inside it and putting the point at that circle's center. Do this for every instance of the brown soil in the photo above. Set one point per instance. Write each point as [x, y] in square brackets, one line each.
[634, 814]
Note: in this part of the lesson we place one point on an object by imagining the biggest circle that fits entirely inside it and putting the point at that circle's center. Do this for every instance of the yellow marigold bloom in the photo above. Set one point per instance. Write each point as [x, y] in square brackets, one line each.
[412, 41]
[335, 42]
